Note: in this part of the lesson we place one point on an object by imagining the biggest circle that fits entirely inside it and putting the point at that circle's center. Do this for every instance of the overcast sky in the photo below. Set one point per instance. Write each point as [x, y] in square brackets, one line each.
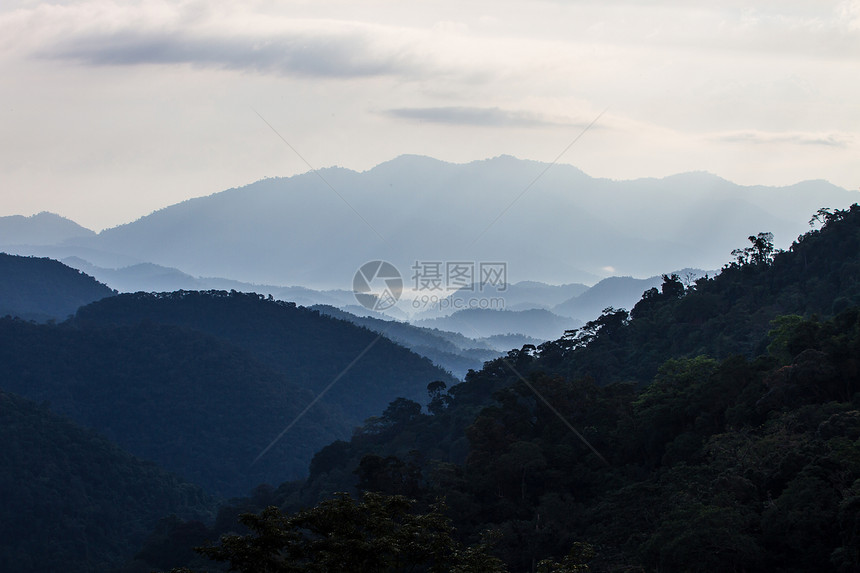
[110, 110]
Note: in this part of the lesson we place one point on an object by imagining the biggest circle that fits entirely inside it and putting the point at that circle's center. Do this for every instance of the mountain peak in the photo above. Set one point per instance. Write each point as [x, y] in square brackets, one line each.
[43, 228]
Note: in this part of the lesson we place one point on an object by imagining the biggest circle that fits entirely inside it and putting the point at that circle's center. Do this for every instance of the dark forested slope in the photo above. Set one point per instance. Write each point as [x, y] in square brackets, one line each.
[196, 405]
[310, 349]
[203, 382]
[43, 289]
[72, 501]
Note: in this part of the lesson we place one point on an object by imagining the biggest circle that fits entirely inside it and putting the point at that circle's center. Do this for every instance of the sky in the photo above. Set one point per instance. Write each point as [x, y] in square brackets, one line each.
[110, 110]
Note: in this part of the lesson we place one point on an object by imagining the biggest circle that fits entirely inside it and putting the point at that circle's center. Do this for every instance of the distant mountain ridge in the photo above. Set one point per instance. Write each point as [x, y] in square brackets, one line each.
[149, 277]
[538, 324]
[523, 295]
[451, 351]
[616, 289]
[41, 229]
[568, 227]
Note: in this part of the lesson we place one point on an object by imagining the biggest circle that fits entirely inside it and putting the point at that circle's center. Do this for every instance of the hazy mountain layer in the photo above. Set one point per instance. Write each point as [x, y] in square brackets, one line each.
[450, 351]
[523, 295]
[149, 277]
[617, 292]
[204, 382]
[477, 323]
[42, 229]
[567, 227]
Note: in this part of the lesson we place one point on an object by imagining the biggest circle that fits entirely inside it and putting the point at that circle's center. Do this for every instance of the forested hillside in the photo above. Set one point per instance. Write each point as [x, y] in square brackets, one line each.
[202, 383]
[44, 289]
[712, 428]
[177, 397]
[311, 350]
[72, 501]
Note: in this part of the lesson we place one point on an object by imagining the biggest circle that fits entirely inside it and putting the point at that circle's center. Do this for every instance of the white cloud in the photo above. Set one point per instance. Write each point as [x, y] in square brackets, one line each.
[760, 137]
[481, 116]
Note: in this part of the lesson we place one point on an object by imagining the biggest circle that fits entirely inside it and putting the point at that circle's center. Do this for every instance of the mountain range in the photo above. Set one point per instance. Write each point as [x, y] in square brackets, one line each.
[553, 224]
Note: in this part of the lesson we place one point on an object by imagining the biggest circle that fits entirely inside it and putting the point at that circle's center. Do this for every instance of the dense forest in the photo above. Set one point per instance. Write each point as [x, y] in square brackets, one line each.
[72, 501]
[203, 382]
[44, 289]
[714, 427]
[309, 347]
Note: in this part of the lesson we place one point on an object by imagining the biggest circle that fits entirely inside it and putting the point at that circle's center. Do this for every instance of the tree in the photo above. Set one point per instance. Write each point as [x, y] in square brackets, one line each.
[389, 475]
[610, 321]
[575, 561]
[378, 534]
[401, 411]
[761, 250]
[672, 286]
[439, 399]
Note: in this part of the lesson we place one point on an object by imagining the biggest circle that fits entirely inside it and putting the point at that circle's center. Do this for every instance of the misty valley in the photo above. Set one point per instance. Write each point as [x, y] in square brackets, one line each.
[200, 390]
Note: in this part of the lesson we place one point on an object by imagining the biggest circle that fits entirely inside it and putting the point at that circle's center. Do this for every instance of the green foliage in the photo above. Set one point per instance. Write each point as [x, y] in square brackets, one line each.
[439, 400]
[72, 501]
[784, 332]
[374, 535]
[674, 403]
[389, 475]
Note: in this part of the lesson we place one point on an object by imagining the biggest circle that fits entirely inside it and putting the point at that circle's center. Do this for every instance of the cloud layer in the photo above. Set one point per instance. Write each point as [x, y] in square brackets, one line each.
[477, 116]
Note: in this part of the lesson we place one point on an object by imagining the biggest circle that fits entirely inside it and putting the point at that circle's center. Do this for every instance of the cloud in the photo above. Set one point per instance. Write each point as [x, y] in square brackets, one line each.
[345, 54]
[477, 116]
[795, 138]
[328, 49]
[113, 34]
